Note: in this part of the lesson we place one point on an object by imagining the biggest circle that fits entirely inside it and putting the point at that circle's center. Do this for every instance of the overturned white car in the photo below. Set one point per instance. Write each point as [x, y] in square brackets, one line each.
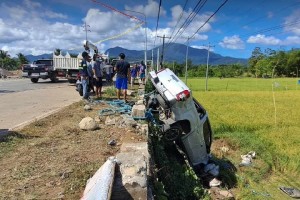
[184, 120]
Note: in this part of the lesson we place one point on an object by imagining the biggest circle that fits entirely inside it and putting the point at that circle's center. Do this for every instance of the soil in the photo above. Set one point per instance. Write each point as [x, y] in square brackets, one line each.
[53, 158]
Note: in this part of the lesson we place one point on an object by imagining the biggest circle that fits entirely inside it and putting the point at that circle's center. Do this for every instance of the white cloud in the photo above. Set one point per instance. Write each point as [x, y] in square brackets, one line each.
[233, 42]
[262, 39]
[292, 24]
[150, 10]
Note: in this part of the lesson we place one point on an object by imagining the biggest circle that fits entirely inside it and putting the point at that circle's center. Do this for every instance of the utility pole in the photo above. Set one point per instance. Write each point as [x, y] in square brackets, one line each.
[152, 60]
[86, 29]
[186, 58]
[163, 47]
[173, 65]
[208, 47]
[157, 62]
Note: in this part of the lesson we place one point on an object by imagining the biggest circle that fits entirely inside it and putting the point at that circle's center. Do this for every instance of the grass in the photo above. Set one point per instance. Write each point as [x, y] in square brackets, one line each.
[243, 84]
[243, 113]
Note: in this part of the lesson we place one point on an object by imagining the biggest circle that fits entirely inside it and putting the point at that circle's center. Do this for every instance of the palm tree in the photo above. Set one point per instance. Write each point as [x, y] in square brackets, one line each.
[22, 59]
[57, 52]
[4, 54]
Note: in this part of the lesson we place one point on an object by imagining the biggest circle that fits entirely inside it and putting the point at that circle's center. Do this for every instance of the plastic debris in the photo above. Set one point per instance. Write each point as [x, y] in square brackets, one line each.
[215, 183]
[247, 159]
[292, 192]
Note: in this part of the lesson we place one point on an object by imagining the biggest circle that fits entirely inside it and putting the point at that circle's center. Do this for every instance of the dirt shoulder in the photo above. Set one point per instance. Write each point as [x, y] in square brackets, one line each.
[52, 158]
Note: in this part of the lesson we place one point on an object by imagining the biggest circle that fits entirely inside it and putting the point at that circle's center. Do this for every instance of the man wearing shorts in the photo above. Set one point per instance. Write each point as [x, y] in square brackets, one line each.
[97, 71]
[122, 69]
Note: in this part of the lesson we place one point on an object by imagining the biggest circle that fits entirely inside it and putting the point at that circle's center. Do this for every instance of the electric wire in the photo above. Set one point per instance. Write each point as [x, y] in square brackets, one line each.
[158, 14]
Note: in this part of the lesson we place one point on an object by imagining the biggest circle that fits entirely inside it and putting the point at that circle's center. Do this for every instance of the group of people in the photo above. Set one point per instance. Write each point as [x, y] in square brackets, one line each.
[91, 75]
[138, 71]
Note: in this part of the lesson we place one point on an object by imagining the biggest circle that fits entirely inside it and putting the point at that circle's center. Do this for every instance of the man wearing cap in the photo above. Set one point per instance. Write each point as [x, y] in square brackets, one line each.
[122, 69]
[84, 74]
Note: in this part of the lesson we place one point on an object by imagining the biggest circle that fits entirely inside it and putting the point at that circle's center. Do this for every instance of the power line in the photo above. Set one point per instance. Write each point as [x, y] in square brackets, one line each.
[210, 17]
[157, 21]
[188, 20]
[179, 18]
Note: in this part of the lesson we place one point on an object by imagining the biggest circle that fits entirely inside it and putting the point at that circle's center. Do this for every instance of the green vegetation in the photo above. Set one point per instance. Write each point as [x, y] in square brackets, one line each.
[250, 117]
[8, 63]
[261, 64]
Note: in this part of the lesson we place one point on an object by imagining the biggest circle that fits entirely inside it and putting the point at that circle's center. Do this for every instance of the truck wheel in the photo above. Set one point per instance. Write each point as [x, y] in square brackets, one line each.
[54, 80]
[34, 80]
[72, 81]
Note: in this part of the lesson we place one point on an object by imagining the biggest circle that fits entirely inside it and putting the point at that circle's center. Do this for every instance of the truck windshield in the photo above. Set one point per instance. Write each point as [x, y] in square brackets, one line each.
[45, 62]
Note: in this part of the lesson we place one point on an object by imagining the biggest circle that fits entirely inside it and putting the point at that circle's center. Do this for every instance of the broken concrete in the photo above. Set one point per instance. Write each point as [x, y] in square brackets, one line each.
[138, 111]
[131, 178]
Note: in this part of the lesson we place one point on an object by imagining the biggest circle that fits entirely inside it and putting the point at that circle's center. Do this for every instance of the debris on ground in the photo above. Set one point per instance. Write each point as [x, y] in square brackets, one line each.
[292, 192]
[215, 182]
[88, 123]
[112, 142]
[247, 159]
[87, 107]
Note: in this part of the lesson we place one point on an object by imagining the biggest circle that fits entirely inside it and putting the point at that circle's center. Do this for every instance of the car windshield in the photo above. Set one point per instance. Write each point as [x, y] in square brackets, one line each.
[45, 62]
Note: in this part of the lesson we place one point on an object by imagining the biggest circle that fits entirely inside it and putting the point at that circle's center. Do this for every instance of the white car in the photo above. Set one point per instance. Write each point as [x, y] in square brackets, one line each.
[184, 119]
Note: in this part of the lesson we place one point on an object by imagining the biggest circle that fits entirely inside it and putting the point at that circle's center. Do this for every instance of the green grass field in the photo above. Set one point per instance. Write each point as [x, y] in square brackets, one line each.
[250, 116]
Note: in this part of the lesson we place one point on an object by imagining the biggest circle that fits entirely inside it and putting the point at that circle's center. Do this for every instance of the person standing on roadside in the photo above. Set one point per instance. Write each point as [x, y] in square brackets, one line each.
[122, 70]
[91, 74]
[97, 77]
[133, 74]
[84, 74]
[142, 72]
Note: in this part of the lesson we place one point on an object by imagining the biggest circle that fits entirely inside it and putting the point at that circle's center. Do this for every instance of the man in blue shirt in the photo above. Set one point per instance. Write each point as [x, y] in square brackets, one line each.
[122, 69]
[133, 74]
[84, 74]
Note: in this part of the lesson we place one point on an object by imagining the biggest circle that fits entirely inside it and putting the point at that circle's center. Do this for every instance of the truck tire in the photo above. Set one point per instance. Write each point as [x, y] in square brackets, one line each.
[71, 81]
[34, 80]
[54, 80]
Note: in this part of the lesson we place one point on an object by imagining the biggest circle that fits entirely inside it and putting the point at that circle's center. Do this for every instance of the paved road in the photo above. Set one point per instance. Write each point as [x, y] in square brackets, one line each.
[22, 101]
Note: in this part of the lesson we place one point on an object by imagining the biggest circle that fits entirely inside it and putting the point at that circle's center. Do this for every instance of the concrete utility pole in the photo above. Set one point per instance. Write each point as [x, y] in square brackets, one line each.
[152, 60]
[186, 58]
[157, 58]
[162, 52]
[208, 47]
[145, 33]
[86, 29]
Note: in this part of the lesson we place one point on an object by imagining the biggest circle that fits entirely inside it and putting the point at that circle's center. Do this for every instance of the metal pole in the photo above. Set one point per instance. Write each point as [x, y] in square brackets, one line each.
[152, 60]
[186, 57]
[173, 66]
[157, 63]
[145, 58]
[207, 67]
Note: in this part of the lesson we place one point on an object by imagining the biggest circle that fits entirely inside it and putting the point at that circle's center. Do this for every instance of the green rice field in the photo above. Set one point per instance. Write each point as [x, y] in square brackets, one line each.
[261, 115]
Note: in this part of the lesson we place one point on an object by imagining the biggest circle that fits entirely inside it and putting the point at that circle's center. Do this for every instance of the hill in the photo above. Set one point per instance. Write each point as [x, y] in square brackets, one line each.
[177, 52]
[172, 52]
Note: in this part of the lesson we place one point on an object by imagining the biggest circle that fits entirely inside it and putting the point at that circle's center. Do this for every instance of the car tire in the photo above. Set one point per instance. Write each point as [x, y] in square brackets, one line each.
[173, 133]
[34, 80]
[71, 81]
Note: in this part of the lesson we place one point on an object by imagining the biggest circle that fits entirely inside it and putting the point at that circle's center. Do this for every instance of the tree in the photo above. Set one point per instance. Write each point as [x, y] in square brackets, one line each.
[22, 59]
[57, 52]
[4, 54]
[255, 57]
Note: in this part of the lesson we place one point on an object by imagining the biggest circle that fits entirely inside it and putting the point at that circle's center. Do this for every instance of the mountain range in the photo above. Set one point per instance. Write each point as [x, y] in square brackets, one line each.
[172, 52]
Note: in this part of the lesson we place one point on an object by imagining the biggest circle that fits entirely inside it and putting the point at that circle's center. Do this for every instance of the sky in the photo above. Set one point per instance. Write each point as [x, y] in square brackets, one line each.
[235, 29]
